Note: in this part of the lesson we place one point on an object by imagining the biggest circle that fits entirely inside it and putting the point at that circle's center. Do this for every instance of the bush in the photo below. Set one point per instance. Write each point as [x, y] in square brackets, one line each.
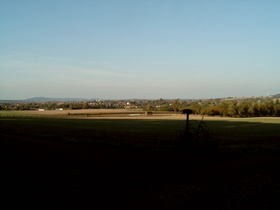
[198, 140]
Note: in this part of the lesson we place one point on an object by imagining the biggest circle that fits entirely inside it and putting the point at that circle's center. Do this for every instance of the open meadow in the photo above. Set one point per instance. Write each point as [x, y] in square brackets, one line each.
[131, 160]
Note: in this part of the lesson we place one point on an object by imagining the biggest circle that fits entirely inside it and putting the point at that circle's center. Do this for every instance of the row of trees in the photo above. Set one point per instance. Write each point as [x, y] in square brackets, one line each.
[214, 107]
[225, 108]
[238, 108]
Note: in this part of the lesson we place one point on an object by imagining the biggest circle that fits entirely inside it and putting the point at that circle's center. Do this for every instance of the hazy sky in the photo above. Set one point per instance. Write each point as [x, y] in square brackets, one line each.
[139, 48]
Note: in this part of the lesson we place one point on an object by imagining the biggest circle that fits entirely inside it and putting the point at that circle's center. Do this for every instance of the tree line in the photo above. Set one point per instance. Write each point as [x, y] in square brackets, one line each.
[234, 108]
[261, 107]
[224, 108]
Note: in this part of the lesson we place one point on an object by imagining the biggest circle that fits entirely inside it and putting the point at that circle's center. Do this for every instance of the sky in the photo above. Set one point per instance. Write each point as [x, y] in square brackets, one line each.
[148, 49]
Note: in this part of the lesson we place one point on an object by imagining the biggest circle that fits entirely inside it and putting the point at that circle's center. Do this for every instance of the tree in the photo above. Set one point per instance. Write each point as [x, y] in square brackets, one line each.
[148, 107]
[16, 107]
[233, 109]
[85, 106]
[51, 106]
[176, 105]
[215, 110]
[211, 111]
[243, 109]
[196, 107]
[269, 106]
[262, 110]
[277, 110]
[224, 108]
[255, 110]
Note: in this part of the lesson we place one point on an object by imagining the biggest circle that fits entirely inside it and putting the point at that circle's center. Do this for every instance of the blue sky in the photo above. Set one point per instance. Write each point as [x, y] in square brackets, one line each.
[121, 49]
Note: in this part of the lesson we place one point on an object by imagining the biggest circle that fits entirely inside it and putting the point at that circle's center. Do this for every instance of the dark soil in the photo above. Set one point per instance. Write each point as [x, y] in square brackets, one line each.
[43, 174]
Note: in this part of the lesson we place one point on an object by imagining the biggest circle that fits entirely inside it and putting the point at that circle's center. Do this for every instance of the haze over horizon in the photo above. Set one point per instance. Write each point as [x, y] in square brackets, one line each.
[139, 49]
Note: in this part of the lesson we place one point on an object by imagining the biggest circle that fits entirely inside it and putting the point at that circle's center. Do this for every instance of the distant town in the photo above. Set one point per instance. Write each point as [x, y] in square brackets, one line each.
[230, 106]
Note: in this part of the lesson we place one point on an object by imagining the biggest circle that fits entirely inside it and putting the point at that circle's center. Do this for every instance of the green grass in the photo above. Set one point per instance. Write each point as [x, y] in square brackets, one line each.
[138, 132]
[253, 134]
[244, 134]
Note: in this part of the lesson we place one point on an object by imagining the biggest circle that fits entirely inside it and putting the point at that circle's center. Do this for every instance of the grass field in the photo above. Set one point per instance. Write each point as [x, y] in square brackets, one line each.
[131, 163]
[255, 134]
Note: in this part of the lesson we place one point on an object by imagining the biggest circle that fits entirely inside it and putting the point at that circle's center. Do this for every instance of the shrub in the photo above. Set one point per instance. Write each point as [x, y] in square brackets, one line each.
[198, 140]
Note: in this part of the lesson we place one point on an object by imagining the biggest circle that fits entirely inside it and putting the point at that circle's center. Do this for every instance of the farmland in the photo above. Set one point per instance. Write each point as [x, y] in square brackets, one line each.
[119, 160]
[159, 130]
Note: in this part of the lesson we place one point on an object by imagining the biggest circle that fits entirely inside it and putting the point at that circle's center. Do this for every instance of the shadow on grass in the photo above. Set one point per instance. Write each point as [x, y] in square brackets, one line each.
[204, 136]
[41, 165]
[247, 136]
[197, 139]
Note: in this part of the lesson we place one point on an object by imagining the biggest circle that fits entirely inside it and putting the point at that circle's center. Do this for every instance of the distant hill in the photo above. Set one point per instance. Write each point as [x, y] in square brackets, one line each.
[276, 96]
[44, 99]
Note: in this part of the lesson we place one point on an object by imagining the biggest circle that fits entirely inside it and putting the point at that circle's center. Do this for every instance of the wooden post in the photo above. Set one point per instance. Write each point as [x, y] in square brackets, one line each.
[187, 112]
[187, 123]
